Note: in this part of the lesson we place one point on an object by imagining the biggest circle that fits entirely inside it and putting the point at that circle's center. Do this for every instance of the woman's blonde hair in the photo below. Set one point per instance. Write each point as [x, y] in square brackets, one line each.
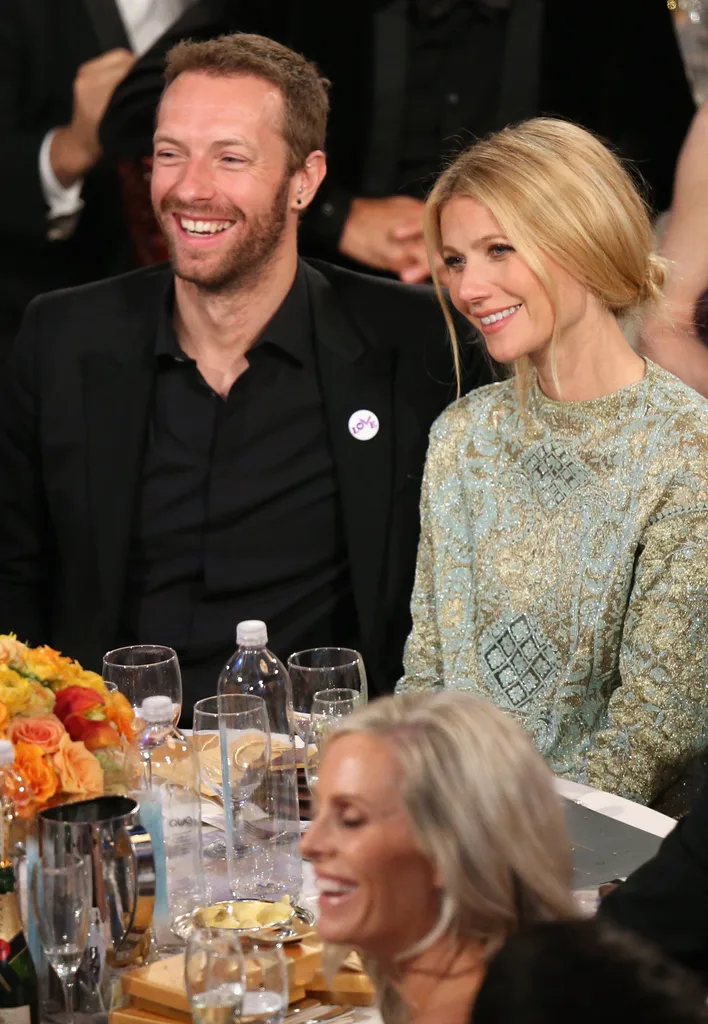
[482, 807]
[557, 192]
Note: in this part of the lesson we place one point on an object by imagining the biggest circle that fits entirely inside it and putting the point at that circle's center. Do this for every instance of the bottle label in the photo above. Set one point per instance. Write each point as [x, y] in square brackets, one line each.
[10, 923]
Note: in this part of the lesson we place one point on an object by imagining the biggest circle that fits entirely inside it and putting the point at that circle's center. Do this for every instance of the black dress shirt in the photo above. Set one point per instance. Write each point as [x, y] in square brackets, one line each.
[239, 514]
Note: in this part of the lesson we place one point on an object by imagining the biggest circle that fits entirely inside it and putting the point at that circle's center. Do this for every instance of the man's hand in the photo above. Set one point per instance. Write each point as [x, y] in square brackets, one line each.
[387, 234]
[75, 147]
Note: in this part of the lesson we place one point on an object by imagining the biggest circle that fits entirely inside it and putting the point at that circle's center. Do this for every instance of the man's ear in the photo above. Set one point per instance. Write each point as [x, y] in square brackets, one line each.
[307, 180]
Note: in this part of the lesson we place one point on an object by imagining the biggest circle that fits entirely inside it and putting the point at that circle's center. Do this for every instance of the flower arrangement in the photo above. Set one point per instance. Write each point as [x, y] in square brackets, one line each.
[68, 731]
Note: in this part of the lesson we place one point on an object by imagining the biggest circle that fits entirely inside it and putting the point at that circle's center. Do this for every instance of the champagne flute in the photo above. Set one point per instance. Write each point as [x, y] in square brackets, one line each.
[61, 900]
[328, 708]
[244, 744]
[145, 670]
[214, 976]
[323, 668]
[265, 997]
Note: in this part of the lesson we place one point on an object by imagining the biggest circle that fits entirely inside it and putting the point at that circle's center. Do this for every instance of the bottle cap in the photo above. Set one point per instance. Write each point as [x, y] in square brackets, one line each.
[7, 753]
[252, 633]
[157, 709]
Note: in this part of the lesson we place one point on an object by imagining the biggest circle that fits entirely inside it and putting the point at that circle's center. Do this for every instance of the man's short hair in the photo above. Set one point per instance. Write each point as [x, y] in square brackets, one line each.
[585, 972]
[304, 90]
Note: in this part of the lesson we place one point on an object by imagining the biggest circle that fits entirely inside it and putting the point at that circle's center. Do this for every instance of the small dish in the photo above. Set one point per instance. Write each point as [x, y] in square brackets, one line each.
[292, 925]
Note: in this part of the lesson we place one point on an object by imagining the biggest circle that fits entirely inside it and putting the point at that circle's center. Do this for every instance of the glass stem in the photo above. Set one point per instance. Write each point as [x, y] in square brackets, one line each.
[67, 985]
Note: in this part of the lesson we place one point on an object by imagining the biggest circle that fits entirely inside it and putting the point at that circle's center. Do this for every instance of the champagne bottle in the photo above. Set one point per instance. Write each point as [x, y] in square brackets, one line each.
[19, 1002]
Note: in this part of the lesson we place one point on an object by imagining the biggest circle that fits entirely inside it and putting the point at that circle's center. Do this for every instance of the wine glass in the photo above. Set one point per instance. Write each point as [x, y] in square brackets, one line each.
[61, 900]
[265, 998]
[207, 746]
[323, 668]
[214, 976]
[244, 746]
[328, 708]
[145, 670]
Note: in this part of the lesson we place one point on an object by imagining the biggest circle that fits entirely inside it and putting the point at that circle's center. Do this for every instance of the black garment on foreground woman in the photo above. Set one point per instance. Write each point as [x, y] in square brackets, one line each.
[585, 971]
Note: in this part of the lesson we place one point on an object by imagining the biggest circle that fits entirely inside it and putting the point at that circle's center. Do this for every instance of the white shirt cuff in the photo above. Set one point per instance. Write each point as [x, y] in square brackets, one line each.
[64, 203]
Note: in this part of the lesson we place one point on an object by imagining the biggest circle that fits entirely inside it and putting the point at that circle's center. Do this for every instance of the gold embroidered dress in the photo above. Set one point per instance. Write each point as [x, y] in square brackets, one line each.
[563, 574]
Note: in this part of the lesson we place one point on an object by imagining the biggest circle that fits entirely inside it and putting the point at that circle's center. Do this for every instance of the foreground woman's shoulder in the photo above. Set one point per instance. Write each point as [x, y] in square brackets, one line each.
[669, 395]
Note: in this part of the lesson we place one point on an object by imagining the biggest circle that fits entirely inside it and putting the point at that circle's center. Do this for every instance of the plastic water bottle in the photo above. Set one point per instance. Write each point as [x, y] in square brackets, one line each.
[274, 867]
[164, 779]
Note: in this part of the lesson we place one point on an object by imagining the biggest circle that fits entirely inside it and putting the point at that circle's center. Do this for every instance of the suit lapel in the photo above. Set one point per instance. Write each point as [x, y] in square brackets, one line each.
[107, 24]
[117, 393]
[356, 380]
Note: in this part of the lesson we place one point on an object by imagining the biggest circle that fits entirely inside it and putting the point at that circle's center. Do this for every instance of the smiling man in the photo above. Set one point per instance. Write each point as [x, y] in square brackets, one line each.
[239, 434]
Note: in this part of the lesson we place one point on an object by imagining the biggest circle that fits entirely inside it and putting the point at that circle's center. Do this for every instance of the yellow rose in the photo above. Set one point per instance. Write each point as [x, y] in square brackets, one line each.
[15, 691]
[79, 770]
[4, 718]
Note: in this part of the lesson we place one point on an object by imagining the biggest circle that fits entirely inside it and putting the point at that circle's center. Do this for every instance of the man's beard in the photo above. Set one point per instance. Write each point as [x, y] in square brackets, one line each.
[250, 254]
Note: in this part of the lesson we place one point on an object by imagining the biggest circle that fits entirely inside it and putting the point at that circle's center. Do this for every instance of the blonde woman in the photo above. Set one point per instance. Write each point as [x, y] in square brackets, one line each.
[563, 563]
[437, 834]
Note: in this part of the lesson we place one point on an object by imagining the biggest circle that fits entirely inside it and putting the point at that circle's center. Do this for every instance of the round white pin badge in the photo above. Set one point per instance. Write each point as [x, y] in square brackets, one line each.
[363, 425]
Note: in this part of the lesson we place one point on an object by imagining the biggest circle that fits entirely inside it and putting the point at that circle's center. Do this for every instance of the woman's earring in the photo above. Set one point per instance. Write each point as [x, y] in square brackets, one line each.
[299, 201]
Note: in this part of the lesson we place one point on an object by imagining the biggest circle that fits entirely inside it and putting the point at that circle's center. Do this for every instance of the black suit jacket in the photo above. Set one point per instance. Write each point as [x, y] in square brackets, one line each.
[611, 66]
[73, 419]
[666, 899]
[42, 44]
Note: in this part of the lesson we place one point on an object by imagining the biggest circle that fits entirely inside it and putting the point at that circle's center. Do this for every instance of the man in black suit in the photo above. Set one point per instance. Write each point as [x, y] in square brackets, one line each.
[413, 80]
[62, 220]
[242, 436]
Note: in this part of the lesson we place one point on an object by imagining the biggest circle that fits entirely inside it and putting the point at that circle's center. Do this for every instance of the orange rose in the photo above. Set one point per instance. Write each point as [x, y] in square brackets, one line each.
[75, 700]
[4, 717]
[46, 732]
[79, 770]
[37, 773]
[120, 712]
[93, 734]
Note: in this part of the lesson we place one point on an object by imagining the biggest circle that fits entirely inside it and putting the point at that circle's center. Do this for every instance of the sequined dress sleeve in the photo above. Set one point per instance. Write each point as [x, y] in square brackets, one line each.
[657, 716]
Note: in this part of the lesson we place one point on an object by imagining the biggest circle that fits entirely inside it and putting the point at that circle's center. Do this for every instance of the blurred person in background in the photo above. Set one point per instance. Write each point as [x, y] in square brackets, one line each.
[414, 80]
[63, 221]
[437, 834]
[563, 558]
[584, 972]
[675, 334]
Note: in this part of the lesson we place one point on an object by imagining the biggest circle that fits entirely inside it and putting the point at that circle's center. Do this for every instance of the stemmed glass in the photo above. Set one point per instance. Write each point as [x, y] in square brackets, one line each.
[214, 976]
[61, 900]
[145, 670]
[265, 998]
[328, 708]
[244, 745]
[323, 668]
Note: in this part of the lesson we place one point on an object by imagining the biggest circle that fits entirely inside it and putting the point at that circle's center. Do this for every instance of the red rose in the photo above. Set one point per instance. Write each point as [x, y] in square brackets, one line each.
[5, 950]
[92, 733]
[76, 699]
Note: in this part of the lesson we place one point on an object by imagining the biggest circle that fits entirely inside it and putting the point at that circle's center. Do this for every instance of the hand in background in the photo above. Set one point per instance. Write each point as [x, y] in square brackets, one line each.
[75, 147]
[387, 234]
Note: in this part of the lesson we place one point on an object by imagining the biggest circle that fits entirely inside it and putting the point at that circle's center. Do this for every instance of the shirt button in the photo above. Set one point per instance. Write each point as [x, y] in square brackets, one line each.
[453, 98]
[327, 209]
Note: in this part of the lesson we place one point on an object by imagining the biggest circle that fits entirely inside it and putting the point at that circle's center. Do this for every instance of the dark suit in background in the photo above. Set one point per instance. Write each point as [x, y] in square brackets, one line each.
[74, 420]
[471, 66]
[42, 45]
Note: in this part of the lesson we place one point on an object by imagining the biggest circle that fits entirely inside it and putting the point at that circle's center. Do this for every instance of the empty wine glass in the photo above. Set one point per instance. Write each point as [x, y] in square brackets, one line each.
[244, 745]
[265, 998]
[61, 900]
[323, 668]
[328, 708]
[214, 976]
[145, 670]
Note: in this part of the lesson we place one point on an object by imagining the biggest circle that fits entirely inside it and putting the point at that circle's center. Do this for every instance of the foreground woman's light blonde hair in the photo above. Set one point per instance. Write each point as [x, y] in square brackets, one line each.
[483, 808]
[557, 192]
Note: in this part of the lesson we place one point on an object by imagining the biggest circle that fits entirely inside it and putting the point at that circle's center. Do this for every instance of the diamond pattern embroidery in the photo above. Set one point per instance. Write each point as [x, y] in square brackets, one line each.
[554, 472]
[518, 659]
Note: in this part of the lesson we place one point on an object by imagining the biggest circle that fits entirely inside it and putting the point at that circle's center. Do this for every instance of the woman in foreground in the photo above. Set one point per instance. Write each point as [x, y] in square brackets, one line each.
[437, 833]
[563, 563]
